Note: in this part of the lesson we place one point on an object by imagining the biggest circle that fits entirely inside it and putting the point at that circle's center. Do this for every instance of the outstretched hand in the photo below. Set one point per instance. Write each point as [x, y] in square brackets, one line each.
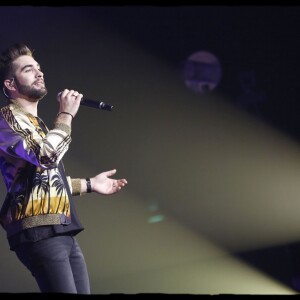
[102, 184]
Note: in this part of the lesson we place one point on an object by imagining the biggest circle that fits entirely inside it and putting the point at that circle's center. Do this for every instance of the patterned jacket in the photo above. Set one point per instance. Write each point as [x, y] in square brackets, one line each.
[29, 159]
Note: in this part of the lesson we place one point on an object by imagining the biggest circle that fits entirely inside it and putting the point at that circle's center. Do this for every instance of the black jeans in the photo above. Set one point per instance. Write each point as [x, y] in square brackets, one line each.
[57, 264]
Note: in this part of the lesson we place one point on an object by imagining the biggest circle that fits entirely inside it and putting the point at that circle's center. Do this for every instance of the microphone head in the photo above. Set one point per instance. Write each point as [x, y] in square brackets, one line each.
[105, 106]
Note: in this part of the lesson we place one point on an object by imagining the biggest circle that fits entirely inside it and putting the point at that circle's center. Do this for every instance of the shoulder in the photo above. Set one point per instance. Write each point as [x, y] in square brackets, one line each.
[15, 118]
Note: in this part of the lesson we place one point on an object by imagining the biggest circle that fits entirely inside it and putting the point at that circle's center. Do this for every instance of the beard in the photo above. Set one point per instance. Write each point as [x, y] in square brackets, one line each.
[32, 93]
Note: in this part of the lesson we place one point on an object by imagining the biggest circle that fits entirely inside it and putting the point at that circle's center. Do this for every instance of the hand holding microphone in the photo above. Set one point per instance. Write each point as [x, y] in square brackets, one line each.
[69, 101]
[89, 102]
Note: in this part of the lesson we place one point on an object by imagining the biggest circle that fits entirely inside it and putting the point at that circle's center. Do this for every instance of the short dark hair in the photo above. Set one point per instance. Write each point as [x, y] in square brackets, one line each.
[7, 58]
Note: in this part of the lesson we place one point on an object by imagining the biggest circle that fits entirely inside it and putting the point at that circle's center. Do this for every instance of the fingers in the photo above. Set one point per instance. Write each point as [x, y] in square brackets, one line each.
[69, 93]
[75, 94]
[118, 184]
[123, 181]
[69, 101]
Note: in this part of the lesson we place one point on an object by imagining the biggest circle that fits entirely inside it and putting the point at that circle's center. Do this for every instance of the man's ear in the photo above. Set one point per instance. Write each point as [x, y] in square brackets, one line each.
[9, 84]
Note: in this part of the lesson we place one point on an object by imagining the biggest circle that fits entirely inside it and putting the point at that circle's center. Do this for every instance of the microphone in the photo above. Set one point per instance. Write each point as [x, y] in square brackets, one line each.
[93, 103]
[96, 104]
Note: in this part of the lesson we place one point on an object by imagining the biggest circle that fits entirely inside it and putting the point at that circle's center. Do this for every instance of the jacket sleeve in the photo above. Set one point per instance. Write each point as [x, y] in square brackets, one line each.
[20, 138]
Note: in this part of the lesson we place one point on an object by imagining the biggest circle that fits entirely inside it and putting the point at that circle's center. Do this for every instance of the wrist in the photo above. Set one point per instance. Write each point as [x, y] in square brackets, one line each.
[64, 117]
[66, 113]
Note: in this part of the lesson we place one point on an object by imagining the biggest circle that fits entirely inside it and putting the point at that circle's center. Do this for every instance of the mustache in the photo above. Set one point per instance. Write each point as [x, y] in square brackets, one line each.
[39, 81]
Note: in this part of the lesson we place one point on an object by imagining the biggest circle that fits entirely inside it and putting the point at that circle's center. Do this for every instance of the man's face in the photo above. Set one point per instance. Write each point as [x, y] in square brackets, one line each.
[29, 78]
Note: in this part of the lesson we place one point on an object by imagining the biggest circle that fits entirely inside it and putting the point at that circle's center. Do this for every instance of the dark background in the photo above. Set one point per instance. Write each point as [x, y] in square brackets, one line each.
[261, 39]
